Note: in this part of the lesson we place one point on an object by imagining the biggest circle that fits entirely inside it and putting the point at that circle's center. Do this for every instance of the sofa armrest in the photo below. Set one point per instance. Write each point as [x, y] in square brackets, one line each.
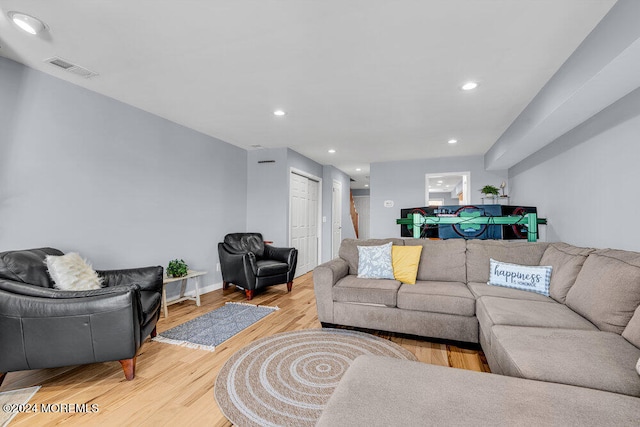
[148, 278]
[49, 332]
[325, 276]
[37, 291]
[280, 254]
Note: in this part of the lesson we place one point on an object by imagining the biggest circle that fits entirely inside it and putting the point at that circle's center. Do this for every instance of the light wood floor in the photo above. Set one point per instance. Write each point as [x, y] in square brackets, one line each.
[174, 385]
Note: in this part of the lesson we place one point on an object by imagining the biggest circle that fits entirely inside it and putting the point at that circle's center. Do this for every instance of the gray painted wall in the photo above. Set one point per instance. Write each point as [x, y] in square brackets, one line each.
[447, 198]
[403, 182]
[585, 181]
[124, 188]
[268, 190]
[268, 195]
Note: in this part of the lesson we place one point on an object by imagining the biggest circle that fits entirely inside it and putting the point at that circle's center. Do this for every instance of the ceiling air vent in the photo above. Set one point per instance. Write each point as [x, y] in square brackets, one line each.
[71, 68]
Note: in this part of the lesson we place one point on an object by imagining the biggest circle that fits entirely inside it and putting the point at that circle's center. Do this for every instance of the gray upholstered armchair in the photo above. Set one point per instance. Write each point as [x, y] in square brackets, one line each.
[249, 264]
[42, 327]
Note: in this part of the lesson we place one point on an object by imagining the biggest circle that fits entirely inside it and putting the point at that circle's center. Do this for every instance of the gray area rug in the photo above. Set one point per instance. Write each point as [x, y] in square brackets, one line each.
[210, 329]
[10, 401]
[286, 379]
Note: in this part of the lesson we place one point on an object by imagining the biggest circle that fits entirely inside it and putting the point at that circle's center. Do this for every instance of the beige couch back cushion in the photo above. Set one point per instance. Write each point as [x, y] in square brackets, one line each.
[349, 250]
[607, 289]
[441, 260]
[479, 252]
[566, 260]
[632, 332]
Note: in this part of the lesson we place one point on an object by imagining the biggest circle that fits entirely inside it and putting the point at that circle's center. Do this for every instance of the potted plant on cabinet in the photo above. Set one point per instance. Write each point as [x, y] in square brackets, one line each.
[490, 191]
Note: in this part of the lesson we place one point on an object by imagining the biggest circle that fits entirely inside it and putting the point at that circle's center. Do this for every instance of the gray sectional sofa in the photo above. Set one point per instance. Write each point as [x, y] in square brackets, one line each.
[585, 336]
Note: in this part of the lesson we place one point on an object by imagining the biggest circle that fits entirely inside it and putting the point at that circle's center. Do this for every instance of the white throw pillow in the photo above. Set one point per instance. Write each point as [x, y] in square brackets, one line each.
[523, 277]
[638, 366]
[72, 273]
[374, 262]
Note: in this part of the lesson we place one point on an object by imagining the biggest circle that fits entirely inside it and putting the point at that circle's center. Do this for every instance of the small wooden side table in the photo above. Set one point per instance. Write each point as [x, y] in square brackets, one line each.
[191, 274]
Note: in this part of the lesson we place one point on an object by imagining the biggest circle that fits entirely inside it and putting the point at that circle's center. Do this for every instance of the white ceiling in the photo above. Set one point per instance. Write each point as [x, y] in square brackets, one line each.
[377, 80]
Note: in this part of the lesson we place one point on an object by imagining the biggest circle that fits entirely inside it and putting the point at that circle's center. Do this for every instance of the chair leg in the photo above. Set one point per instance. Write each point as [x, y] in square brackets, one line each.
[289, 286]
[249, 293]
[129, 368]
[3, 375]
[225, 285]
[154, 332]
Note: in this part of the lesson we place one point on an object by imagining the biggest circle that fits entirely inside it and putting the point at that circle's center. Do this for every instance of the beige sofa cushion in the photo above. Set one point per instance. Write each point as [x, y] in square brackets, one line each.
[632, 332]
[441, 260]
[545, 314]
[482, 289]
[480, 251]
[380, 391]
[366, 291]
[437, 297]
[566, 260]
[607, 289]
[593, 359]
[349, 250]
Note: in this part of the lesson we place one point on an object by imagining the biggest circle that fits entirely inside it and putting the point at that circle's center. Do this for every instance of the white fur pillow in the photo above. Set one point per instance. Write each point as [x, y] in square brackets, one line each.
[72, 273]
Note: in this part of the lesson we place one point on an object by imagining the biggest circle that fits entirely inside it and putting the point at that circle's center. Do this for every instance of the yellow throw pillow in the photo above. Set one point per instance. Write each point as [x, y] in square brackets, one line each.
[405, 261]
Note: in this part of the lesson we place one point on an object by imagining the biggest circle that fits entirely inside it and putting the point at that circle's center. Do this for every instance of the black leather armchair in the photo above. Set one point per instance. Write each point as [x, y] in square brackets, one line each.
[42, 327]
[248, 263]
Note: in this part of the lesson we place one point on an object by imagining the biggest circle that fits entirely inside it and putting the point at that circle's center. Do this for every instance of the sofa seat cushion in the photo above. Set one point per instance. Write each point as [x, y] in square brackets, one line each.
[381, 391]
[482, 289]
[544, 314]
[594, 359]
[366, 291]
[437, 297]
[268, 267]
[507, 311]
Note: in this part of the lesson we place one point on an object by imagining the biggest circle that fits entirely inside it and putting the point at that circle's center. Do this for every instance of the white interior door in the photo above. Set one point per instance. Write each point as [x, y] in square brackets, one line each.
[304, 221]
[313, 212]
[336, 218]
[362, 206]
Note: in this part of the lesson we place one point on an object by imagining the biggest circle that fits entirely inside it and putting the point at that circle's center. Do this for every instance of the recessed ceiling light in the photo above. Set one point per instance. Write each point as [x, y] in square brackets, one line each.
[332, 151]
[452, 141]
[469, 86]
[26, 22]
[358, 169]
[439, 182]
[366, 185]
[279, 113]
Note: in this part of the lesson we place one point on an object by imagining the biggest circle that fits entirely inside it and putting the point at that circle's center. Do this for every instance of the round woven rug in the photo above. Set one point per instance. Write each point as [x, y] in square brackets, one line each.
[287, 379]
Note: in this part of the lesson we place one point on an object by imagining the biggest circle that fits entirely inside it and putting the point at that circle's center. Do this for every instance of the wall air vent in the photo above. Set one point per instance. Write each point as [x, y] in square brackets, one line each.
[266, 161]
[70, 67]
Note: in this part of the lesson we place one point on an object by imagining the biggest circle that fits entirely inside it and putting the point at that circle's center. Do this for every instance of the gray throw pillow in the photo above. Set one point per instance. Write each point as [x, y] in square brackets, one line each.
[374, 262]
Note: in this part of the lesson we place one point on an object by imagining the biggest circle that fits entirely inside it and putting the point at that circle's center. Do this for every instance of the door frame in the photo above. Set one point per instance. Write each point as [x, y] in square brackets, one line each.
[312, 177]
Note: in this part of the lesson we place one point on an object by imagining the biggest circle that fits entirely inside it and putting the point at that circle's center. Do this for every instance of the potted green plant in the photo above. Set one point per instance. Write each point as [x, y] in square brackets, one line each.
[490, 191]
[177, 268]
